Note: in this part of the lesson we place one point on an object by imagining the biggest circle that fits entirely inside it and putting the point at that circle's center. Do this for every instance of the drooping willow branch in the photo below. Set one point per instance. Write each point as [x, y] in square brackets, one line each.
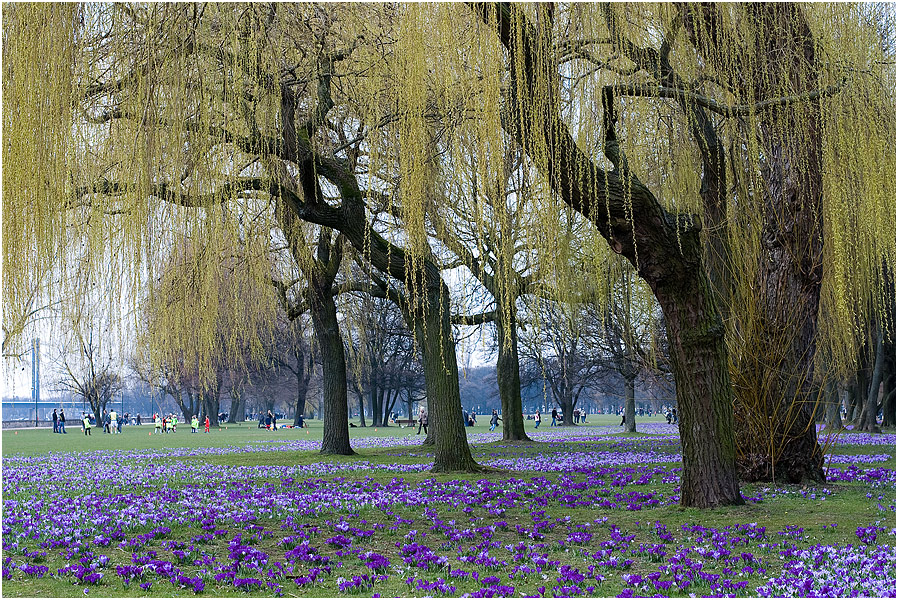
[660, 91]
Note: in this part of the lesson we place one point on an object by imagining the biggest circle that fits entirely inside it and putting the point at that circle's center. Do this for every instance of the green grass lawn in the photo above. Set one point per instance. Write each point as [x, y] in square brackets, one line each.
[275, 477]
[30, 441]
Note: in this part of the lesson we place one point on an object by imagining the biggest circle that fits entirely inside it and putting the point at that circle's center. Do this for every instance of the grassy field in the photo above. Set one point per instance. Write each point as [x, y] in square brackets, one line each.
[39, 441]
[583, 511]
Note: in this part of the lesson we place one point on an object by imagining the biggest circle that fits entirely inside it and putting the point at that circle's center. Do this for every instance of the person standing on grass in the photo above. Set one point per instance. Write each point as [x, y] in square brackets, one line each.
[494, 420]
[112, 421]
[207, 423]
[174, 423]
[55, 422]
[86, 423]
[421, 422]
[554, 417]
[268, 420]
[138, 418]
[300, 422]
[194, 424]
[62, 420]
[158, 423]
[537, 418]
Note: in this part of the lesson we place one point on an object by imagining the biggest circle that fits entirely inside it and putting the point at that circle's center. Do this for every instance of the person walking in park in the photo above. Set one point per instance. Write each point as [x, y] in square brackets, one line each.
[576, 416]
[623, 419]
[207, 423]
[554, 417]
[494, 420]
[174, 423]
[138, 418]
[194, 424]
[86, 424]
[421, 421]
[55, 422]
[111, 421]
[62, 420]
[105, 421]
[157, 422]
[537, 419]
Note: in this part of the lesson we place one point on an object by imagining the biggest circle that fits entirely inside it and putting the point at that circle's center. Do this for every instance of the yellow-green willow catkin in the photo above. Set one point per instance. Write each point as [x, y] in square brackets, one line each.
[440, 73]
[37, 114]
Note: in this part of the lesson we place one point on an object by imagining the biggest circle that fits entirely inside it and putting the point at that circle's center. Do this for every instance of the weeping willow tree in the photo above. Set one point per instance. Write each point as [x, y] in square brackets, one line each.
[176, 111]
[734, 168]
[768, 95]
[195, 318]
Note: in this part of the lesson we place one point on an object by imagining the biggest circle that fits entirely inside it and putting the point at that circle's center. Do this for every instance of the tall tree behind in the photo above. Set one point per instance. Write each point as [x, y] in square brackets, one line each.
[93, 376]
[213, 284]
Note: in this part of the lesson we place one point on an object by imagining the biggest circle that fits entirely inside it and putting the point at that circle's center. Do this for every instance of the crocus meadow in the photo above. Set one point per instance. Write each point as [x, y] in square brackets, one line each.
[586, 512]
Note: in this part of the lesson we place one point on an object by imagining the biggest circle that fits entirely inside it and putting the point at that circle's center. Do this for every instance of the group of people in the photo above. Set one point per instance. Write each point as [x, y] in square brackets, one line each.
[169, 423]
[112, 422]
[59, 421]
[269, 421]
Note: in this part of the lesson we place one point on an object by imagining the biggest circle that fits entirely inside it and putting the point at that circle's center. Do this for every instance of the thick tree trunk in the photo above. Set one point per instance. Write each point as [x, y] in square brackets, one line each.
[789, 272]
[238, 403]
[190, 408]
[410, 402]
[334, 409]
[302, 386]
[858, 392]
[237, 410]
[630, 404]
[888, 385]
[508, 376]
[704, 393]
[833, 406]
[361, 398]
[567, 403]
[868, 423]
[211, 400]
[383, 400]
[374, 404]
[389, 404]
[434, 331]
